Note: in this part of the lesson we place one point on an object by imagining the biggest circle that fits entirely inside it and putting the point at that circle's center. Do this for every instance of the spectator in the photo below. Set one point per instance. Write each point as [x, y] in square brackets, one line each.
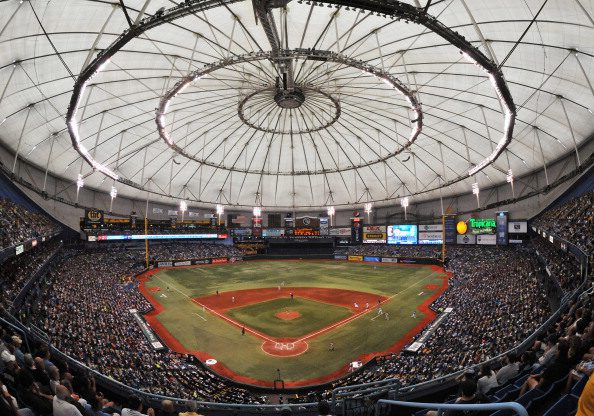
[61, 406]
[509, 370]
[487, 379]
[134, 408]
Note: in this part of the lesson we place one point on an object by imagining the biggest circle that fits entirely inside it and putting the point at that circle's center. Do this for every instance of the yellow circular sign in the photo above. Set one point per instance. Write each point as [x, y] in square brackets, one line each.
[461, 227]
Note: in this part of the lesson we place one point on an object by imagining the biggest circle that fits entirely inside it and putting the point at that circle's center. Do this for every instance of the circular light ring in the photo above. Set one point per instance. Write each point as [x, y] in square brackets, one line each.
[335, 117]
[328, 56]
[392, 9]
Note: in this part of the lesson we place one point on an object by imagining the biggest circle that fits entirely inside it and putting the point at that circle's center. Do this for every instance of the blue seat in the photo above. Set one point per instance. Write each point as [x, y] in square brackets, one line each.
[527, 398]
[565, 406]
[521, 380]
[553, 389]
[511, 395]
[579, 386]
[500, 394]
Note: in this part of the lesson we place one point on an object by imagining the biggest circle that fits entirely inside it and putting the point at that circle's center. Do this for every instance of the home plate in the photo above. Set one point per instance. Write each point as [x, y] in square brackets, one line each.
[210, 361]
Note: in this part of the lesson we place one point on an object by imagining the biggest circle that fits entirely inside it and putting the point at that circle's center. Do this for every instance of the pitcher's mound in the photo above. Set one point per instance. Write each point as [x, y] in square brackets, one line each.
[287, 315]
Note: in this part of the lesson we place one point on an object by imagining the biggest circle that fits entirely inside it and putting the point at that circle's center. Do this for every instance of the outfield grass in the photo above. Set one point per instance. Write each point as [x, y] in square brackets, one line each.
[200, 330]
[314, 315]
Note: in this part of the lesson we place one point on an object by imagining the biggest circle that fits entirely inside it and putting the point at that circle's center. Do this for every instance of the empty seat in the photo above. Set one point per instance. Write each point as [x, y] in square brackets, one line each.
[565, 406]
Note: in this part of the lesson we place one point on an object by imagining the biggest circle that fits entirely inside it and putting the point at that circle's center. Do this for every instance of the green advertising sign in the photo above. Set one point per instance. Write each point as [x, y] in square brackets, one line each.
[482, 225]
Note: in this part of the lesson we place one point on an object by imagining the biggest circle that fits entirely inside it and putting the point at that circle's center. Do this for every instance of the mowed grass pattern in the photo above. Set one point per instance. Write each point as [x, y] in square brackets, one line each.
[314, 315]
[200, 330]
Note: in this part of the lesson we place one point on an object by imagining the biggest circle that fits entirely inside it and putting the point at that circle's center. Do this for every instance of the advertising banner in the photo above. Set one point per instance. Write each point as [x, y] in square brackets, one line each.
[339, 257]
[355, 258]
[402, 234]
[466, 239]
[513, 241]
[389, 260]
[165, 264]
[201, 261]
[486, 239]
[435, 237]
[482, 225]
[93, 218]
[374, 234]
[219, 260]
[273, 232]
[340, 231]
[430, 227]
[517, 227]
[324, 228]
[182, 263]
[357, 230]
[147, 331]
[374, 259]
[307, 222]
[172, 212]
[157, 210]
[257, 226]
[450, 230]
[92, 238]
[19, 249]
[501, 220]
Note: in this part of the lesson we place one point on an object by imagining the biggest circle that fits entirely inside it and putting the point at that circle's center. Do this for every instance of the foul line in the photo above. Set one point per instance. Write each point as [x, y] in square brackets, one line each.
[235, 323]
[194, 313]
[352, 318]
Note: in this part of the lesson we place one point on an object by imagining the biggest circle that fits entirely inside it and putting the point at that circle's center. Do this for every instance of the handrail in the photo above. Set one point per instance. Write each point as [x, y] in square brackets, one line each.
[371, 387]
[516, 407]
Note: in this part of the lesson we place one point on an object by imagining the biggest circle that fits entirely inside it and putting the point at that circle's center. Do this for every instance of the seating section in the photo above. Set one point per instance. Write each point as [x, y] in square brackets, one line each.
[16, 271]
[572, 221]
[17, 224]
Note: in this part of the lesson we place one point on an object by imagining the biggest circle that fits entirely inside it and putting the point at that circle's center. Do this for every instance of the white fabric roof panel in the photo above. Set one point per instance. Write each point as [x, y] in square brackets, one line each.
[235, 164]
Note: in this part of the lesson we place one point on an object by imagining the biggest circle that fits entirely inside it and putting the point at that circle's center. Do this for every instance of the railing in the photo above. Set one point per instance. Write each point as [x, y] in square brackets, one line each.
[492, 407]
[340, 394]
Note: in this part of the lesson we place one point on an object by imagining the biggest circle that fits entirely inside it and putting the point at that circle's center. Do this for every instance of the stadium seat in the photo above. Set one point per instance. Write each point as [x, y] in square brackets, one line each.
[527, 398]
[566, 406]
[501, 393]
[579, 386]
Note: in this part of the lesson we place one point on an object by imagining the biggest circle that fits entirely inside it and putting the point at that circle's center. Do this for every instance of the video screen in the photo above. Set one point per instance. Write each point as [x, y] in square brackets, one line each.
[402, 234]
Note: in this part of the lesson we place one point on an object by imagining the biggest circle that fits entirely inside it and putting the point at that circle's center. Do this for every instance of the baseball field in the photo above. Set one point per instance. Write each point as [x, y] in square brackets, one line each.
[308, 319]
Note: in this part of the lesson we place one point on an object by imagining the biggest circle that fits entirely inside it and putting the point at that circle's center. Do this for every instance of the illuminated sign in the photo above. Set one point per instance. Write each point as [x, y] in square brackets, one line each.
[374, 234]
[482, 225]
[305, 232]
[402, 234]
[157, 237]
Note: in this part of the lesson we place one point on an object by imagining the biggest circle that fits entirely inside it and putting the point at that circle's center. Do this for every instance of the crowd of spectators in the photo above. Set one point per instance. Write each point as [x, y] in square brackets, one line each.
[391, 250]
[18, 225]
[91, 322]
[557, 361]
[498, 284]
[184, 251]
[16, 271]
[562, 265]
[573, 221]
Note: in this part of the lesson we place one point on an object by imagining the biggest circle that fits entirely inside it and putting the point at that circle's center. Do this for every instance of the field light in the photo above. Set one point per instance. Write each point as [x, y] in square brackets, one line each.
[404, 203]
[220, 211]
[510, 179]
[476, 191]
[79, 184]
[257, 212]
[113, 193]
[331, 212]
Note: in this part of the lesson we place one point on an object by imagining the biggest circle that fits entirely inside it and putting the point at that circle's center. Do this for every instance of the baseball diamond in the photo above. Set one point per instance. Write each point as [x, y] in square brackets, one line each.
[234, 314]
